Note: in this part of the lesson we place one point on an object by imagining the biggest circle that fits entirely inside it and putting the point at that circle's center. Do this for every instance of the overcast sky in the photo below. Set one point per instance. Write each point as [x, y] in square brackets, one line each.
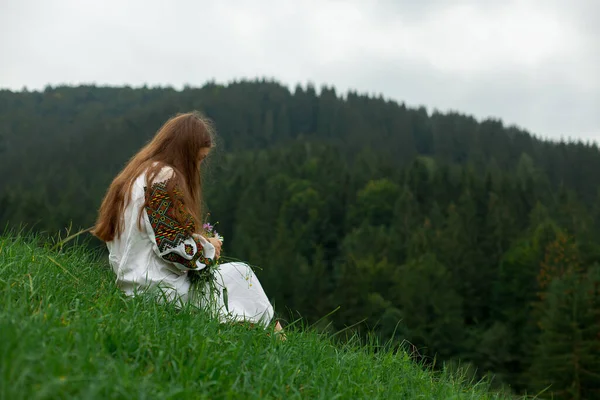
[533, 63]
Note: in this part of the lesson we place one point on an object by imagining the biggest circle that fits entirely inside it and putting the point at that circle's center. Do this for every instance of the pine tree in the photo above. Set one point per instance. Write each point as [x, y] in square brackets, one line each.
[567, 360]
[431, 307]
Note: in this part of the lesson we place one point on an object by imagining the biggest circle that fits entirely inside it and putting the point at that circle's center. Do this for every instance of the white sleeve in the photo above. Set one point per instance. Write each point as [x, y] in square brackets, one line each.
[170, 238]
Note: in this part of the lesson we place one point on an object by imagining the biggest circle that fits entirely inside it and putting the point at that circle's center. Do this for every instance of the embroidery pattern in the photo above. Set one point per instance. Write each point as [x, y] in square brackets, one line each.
[191, 264]
[168, 231]
[161, 213]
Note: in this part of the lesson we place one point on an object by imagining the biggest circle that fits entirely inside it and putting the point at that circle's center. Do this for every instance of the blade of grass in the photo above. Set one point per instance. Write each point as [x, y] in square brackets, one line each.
[63, 268]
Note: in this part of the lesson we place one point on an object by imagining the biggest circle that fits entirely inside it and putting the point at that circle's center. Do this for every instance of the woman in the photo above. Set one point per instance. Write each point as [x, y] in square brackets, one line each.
[150, 220]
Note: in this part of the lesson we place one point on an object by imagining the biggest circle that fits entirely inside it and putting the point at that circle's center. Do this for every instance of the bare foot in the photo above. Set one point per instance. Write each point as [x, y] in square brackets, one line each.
[279, 331]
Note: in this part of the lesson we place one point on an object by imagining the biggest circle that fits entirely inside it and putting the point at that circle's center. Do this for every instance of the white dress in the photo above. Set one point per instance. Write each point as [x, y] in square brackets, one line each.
[160, 256]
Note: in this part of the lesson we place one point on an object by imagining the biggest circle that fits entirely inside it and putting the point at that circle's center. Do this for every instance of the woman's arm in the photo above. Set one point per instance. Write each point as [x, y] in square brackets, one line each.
[171, 240]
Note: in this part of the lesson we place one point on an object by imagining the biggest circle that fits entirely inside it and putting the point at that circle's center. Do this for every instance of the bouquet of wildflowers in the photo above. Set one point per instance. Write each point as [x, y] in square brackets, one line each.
[203, 281]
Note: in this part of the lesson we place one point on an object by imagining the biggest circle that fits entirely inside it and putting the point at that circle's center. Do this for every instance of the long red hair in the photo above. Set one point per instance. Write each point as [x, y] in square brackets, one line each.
[177, 144]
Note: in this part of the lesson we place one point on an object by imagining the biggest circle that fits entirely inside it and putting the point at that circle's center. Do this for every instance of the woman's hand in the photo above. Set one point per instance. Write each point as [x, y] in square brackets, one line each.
[217, 243]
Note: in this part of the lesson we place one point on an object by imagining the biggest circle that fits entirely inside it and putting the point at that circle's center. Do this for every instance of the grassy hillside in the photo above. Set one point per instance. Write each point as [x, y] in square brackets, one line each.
[66, 332]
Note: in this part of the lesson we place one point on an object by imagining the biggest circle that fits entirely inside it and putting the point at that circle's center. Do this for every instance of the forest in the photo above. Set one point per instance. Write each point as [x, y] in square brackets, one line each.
[473, 241]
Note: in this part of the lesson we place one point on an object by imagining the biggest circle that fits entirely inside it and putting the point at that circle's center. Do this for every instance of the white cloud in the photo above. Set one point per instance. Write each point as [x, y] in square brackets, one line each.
[530, 62]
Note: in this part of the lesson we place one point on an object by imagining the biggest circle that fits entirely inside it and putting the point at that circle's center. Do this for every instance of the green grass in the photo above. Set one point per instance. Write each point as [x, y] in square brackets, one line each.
[67, 332]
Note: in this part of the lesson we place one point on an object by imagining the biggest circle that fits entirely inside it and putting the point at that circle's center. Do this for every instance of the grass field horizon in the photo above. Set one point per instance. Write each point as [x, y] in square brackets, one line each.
[68, 332]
